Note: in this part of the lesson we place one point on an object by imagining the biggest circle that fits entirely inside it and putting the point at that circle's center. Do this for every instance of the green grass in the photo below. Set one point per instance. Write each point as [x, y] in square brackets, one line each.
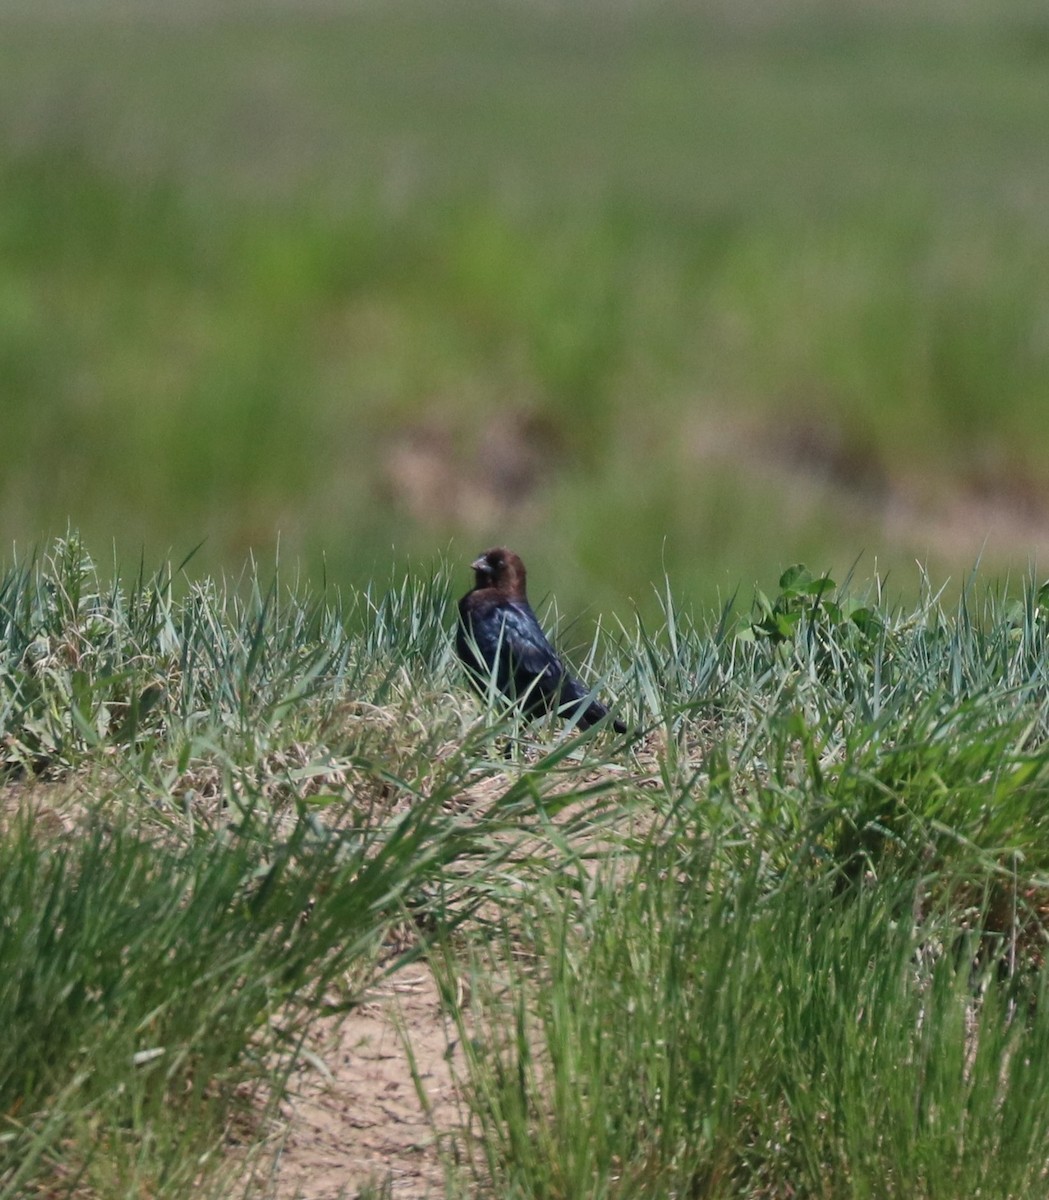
[735, 291]
[695, 1031]
[788, 934]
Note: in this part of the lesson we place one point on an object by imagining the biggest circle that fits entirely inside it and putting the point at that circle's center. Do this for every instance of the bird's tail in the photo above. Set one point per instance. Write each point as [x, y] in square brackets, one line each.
[597, 712]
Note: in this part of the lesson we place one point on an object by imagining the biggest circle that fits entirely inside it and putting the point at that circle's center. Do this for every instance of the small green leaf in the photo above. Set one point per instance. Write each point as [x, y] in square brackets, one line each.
[795, 579]
[818, 587]
[786, 623]
[865, 619]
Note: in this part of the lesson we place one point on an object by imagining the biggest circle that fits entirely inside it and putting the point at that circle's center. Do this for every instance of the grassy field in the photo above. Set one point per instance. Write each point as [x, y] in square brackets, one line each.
[668, 297]
[659, 287]
[787, 937]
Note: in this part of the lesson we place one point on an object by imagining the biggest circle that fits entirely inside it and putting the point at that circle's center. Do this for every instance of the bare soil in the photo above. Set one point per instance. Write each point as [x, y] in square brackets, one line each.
[365, 1123]
[992, 516]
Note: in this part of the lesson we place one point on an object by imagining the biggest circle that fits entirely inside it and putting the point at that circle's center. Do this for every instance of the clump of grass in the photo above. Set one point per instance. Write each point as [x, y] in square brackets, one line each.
[146, 993]
[690, 1029]
[226, 670]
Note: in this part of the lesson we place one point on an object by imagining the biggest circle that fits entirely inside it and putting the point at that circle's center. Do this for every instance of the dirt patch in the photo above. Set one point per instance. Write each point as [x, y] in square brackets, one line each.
[1000, 517]
[363, 1123]
[476, 481]
[358, 1119]
[56, 810]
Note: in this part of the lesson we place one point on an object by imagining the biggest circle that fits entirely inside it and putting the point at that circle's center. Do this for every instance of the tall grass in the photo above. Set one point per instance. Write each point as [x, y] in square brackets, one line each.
[690, 1030]
[156, 995]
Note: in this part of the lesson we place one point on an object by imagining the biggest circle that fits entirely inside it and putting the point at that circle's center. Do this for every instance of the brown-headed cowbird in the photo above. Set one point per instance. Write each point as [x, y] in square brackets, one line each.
[498, 634]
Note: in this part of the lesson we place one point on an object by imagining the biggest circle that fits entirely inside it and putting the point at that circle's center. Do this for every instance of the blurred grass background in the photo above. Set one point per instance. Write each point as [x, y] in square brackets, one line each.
[633, 287]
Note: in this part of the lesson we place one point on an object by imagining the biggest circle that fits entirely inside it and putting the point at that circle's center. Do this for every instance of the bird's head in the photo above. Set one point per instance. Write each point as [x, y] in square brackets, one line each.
[500, 568]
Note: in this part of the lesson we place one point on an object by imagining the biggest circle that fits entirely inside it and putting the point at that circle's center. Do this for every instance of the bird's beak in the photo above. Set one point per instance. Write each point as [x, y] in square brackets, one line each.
[480, 564]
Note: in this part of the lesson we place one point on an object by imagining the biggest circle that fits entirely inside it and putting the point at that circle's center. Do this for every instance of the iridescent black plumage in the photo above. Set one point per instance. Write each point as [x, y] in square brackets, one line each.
[498, 633]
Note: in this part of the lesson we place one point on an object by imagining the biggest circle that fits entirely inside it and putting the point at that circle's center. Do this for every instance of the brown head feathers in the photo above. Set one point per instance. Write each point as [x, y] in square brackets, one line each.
[501, 569]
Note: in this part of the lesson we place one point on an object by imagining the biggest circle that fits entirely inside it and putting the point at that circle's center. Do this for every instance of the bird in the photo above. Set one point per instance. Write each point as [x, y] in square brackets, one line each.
[499, 636]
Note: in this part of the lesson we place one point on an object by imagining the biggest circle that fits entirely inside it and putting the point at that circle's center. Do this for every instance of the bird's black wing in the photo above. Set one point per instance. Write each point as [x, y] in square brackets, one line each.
[505, 637]
[534, 667]
[539, 674]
